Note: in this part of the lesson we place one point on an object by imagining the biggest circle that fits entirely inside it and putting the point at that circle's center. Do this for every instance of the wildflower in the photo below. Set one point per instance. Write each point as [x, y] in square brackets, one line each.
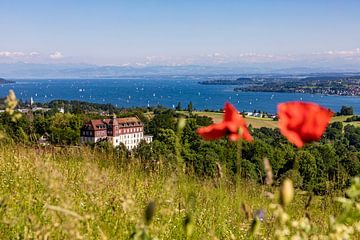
[302, 122]
[233, 125]
[260, 214]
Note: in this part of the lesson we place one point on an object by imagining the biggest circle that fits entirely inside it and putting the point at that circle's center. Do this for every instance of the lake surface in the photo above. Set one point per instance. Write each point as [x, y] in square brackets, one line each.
[162, 91]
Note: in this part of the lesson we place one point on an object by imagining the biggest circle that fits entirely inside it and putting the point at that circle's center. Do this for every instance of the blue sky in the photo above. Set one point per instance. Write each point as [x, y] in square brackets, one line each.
[183, 32]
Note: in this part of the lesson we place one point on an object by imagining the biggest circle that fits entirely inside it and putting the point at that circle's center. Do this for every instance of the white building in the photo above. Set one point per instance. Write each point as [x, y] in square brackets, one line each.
[129, 131]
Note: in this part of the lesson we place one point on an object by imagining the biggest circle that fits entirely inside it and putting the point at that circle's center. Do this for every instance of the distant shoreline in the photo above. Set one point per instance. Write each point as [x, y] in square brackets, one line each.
[330, 85]
[4, 81]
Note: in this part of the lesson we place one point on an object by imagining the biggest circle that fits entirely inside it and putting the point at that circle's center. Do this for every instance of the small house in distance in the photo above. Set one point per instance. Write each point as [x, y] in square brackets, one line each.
[129, 131]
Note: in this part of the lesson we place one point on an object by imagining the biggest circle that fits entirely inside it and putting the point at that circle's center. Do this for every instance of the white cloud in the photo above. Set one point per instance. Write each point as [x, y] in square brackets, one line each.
[56, 55]
[11, 54]
[341, 53]
[34, 54]
[214, 55]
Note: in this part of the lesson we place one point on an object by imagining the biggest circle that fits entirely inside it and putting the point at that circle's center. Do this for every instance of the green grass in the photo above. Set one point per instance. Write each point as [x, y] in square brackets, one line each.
[84, 194]
[343, 118]
[256, 122]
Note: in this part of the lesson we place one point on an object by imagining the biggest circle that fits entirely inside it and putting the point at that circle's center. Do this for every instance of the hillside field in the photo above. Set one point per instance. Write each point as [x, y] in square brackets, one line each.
[81, 193]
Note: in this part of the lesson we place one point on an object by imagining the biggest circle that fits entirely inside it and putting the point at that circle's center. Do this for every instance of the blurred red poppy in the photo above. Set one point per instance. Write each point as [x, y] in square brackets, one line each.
[302, 122]
[233, 125]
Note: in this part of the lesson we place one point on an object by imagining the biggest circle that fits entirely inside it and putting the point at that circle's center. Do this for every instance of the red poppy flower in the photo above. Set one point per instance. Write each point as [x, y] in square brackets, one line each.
[302, 122]
[233, 125]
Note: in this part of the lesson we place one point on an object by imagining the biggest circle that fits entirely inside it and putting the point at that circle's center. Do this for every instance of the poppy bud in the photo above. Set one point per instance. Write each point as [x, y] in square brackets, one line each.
[181, 123]
[149, 212]
[286, 192]
[188, 225]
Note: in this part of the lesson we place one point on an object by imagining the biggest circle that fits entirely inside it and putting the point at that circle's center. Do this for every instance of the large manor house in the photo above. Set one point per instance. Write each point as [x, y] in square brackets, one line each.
[129, 131]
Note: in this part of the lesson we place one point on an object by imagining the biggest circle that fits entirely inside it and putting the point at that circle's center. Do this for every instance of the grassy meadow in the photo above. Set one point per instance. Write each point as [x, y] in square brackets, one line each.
[81, 193]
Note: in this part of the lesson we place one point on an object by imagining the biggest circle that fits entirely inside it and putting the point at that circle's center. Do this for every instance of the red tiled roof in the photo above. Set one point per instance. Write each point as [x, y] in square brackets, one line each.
[123, 122]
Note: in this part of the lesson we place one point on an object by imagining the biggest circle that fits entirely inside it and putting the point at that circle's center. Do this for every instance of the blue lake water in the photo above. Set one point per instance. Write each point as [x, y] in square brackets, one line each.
[162, 91]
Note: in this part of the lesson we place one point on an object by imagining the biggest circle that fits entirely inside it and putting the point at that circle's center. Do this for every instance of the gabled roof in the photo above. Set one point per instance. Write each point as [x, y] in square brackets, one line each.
[99, 124]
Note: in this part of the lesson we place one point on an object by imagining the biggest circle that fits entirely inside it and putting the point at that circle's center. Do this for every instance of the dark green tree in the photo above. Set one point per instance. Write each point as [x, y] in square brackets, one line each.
[178, 107]
[307, 169]
[190, 107]
[345, 111]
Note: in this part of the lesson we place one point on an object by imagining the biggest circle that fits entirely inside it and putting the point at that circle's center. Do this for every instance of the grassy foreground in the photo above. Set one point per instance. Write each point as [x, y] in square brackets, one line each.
[85, 194]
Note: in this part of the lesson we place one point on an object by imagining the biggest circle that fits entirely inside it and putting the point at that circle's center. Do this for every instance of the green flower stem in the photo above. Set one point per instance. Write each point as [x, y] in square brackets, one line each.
[239, 157]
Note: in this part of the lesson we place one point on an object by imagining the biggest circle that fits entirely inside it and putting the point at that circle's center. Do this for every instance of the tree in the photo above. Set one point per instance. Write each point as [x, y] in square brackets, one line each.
[162, 120]
[168, 137]
[206, 158]
[178, 107]
[334, 131]
[65, 128]
[144, 152]
[345, 111]
[307, 169]
[352, 134]
[203, 120]
[189, 134]
[18, 130]
[190, 107]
